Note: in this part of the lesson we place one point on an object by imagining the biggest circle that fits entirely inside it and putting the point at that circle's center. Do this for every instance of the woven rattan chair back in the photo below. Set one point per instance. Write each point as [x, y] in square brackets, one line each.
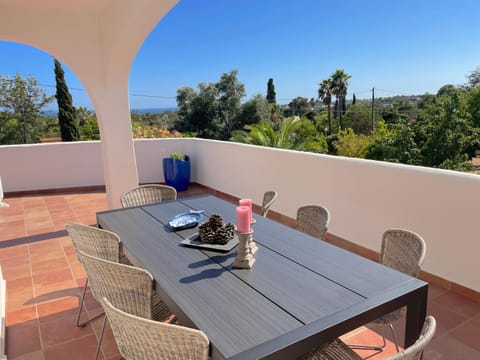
[94, 241]
[415, 351]
[148, 194]
[139, 338]
[403, 250]
[313, 220]
[268, 199]
[97, 242]
[338, 350]
[129, 288]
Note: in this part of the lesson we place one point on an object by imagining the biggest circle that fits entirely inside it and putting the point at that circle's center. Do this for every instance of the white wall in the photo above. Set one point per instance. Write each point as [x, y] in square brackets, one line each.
[364, 197]
[51, 166]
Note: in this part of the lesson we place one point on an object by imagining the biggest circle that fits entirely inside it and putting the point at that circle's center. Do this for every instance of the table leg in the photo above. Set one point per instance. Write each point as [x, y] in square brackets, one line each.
[416, 313]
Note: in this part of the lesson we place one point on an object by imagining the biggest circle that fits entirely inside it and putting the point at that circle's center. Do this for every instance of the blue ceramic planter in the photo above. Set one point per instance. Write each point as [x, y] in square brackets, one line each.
[177, 172]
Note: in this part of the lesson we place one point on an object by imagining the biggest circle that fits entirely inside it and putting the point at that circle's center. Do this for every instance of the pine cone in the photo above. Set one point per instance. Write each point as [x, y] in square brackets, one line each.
[224, 234]
[215, 221]
[205, 233]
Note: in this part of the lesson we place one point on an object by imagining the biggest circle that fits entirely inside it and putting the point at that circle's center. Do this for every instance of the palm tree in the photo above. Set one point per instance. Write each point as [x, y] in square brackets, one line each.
[325, 94]
[339, 83]
[293, 134]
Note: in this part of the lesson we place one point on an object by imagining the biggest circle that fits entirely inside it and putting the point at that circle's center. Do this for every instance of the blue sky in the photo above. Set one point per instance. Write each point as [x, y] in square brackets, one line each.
[398, 47]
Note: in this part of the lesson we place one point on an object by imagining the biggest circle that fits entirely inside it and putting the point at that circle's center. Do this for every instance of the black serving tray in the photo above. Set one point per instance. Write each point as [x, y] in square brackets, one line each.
[194, 241]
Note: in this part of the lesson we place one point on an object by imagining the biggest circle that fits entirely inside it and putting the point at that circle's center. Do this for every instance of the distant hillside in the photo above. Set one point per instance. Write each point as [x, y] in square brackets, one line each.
[137, 111]
[153, 110]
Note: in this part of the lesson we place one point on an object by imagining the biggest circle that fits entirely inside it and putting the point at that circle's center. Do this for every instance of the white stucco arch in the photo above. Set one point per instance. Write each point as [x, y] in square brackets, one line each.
[98, 40]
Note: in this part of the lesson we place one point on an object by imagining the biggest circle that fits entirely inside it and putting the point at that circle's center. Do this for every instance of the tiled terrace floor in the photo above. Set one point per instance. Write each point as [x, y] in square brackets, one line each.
[44, 281]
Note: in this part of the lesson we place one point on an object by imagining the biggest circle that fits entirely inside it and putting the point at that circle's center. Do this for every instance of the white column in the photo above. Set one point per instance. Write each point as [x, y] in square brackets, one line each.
[118, 153]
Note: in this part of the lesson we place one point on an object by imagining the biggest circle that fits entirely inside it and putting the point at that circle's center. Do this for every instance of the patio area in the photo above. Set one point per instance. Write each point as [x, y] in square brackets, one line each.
[44, 281]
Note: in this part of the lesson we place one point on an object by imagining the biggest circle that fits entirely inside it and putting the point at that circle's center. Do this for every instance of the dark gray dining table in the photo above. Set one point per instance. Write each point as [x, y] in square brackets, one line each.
[300, 293]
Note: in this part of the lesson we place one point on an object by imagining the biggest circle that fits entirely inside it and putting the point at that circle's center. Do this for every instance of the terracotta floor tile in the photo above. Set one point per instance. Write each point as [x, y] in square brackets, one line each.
[13, 252]
[55, 290]
[16, 268]
[58, 308]
[36, 355]
[21, 316]
[92, 304]
[77, 270]
[61, 330]
[81, 282]
[19, 285]
[435, 291]
[12, 232]
[47, 253]
[459, 304]
[46, 266]
[12, 218]
[45, 279]
[69, 250]
[22, 339]
[40, 229]
[446, 318]
[109, 346]
[448, 348]
[468, 333]
[369, 337]
[78, 349]
[20, 299]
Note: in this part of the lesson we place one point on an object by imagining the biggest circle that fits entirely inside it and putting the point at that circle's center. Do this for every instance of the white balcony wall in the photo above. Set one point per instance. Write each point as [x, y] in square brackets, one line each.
[364, 197]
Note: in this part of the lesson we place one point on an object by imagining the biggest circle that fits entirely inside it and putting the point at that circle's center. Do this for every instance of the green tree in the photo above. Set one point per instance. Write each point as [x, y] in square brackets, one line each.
[399, 113]
[358, 118]
[212, 111]
[24, 102]
[299, 106]
[352, 145]
[325, 94]
[66, 111]
[230, 92]
[397, 146]
[88, 125]
[474, 78]
[473, 104]
[254, 110]
[339, 84]
[271, 95]
[444, 134]
[9, 133]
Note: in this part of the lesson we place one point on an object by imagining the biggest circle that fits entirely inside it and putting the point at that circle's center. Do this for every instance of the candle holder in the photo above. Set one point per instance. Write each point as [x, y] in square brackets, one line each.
[251, 244]
[244, 258]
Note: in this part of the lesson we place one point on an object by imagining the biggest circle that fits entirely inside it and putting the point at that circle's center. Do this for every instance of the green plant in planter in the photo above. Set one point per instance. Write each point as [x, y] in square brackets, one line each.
[176, 171]
[177, 155]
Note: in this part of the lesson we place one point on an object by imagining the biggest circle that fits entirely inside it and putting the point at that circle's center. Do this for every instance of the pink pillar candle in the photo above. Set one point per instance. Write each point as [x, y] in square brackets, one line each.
[243, 219]
[248, 203]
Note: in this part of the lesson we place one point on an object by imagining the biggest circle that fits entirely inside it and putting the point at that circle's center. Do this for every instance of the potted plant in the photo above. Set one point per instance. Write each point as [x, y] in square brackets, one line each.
[176, 171]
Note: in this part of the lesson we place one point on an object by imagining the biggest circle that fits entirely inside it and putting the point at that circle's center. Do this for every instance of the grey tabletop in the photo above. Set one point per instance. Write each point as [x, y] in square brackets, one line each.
[300, 293]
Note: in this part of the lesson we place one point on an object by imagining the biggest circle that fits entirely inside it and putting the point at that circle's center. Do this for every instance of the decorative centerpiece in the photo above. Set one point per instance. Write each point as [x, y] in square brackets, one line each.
[215, 231]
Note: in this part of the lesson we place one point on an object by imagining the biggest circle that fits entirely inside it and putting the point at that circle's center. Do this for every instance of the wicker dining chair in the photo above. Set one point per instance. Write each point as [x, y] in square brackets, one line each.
[268, 199]
[338, 350]
[404, 251]
[313, 220]
[148, 194]
[96, 242]
[129, 288]
[139, 338]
